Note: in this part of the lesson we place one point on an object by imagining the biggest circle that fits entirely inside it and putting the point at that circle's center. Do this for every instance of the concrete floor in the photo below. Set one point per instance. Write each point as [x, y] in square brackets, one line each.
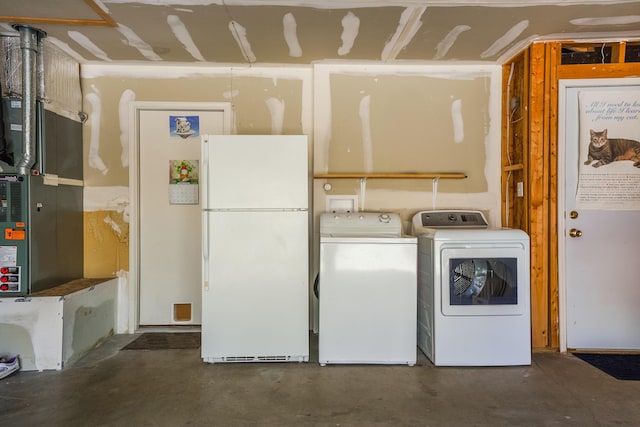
[109, 387]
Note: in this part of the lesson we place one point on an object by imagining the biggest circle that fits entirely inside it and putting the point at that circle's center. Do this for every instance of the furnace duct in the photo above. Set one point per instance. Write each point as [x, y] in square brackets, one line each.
[29, 44]
[57, 80]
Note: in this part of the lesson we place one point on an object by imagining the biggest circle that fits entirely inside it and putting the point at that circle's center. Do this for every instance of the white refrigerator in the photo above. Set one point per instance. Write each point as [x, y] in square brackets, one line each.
[255, 198]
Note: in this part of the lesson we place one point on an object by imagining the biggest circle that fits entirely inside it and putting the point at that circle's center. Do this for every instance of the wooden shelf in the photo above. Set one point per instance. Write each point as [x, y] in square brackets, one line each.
[390, 176]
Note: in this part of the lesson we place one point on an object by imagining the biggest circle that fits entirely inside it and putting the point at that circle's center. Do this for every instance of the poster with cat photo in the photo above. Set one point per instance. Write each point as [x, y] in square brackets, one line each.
[609, 162]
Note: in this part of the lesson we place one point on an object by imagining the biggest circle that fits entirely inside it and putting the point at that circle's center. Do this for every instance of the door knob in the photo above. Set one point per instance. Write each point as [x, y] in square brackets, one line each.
[575, 233]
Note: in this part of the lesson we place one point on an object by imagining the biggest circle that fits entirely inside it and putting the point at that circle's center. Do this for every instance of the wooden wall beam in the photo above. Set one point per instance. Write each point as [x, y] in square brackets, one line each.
[618, 52]
[597, 71]
[553, 59]
[538, 193]
[524, 130]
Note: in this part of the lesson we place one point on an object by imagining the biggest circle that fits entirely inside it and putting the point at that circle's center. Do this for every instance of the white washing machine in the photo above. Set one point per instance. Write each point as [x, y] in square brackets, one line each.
[367, 290]
[473, 290]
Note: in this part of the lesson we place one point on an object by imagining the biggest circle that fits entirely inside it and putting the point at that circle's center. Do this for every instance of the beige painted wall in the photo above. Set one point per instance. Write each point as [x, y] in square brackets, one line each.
[411, 118]
[360, 118]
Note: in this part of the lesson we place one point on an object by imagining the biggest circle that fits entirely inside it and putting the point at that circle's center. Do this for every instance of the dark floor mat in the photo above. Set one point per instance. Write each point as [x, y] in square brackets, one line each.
[620, 366]
[165, 341]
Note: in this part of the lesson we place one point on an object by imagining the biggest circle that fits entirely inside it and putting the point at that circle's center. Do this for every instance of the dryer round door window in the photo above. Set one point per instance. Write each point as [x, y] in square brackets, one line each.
[483, 281]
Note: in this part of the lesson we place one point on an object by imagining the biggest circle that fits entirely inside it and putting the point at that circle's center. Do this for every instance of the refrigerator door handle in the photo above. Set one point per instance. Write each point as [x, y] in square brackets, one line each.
[205, 250]
[204, 172]
[204, 197]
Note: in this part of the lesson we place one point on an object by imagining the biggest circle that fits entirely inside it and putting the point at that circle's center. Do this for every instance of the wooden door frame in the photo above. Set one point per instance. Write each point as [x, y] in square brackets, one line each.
[134, 188]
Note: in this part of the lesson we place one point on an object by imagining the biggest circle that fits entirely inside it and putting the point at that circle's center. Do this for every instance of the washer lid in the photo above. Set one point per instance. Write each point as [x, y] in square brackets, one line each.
[448, 219]
[371, 224]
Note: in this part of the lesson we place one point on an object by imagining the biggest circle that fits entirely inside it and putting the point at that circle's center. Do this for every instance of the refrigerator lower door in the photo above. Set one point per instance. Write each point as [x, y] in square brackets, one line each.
[255, 292]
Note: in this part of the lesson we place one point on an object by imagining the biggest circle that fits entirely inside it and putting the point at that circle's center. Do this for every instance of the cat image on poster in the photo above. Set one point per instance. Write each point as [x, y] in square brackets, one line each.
[606, 150]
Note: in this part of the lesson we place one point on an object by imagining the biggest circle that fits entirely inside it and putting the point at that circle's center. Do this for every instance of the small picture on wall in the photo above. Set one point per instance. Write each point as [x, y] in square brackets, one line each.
[183, 171]
[184, 126]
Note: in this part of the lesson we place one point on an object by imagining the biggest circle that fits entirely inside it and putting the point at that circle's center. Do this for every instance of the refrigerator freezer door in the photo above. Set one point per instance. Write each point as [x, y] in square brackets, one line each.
[255, 305]
[255, 171]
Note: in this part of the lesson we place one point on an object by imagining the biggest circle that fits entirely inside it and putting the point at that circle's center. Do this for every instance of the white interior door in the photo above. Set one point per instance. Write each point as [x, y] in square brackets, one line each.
[600, 239]
[170, 242]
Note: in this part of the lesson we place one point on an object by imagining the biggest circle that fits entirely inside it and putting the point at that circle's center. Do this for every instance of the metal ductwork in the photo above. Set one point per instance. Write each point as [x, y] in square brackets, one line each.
[29, 44]
[40, 165]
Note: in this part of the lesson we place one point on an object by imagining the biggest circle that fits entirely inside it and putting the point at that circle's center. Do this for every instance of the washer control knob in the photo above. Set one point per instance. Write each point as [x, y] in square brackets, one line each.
[384, 218]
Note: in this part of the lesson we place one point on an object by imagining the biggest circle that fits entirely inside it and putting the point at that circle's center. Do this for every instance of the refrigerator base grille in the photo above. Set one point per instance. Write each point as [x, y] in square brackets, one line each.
[241, 359]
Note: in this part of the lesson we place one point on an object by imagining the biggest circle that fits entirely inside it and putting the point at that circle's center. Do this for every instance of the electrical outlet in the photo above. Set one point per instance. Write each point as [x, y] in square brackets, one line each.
[342, 203]
[520, 189]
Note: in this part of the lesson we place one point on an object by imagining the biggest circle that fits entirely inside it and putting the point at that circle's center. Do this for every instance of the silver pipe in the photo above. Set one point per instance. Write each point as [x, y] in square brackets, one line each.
[40, 63]
[29, 46]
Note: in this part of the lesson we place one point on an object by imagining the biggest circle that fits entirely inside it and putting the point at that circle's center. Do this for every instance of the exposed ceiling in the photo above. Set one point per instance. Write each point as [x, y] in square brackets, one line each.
[307, 31]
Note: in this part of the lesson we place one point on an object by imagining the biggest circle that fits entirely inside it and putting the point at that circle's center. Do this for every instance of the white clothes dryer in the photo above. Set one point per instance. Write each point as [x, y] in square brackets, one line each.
[367, 290]
[473, 290]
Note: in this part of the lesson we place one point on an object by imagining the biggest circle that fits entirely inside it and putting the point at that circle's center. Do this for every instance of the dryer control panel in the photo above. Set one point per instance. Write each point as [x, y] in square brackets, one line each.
[449, 219]
[376, 224]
